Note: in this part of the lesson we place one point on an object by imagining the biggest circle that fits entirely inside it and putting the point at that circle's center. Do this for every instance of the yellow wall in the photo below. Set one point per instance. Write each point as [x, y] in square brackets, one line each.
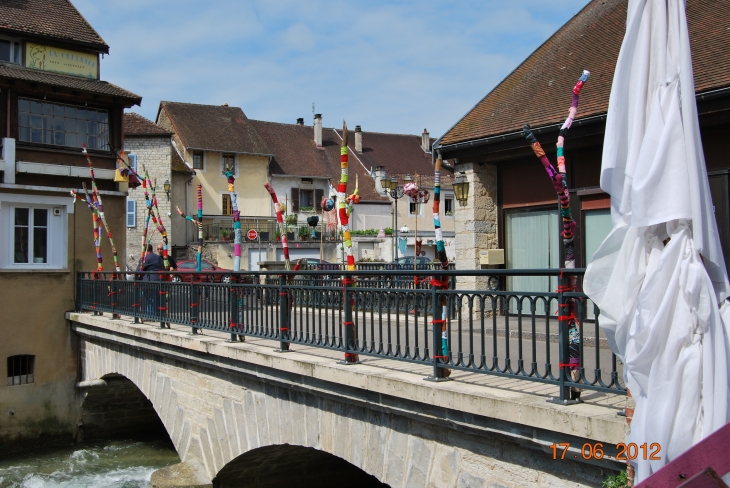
[253, 199]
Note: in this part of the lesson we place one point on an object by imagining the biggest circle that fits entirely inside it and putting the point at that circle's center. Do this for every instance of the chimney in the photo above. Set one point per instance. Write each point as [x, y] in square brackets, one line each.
[300, 121]
[358, 139]
[425, 141]
[318, 130]
[225, 105]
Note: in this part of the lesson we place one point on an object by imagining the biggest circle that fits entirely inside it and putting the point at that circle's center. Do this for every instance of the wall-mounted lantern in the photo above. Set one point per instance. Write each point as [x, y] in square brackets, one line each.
[461, 188]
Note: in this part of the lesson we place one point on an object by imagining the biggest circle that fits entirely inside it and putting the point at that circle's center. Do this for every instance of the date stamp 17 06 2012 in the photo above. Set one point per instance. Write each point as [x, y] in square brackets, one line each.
[624, 452]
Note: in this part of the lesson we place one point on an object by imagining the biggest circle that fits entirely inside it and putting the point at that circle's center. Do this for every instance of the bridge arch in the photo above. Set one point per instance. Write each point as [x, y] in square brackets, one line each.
[285, 464]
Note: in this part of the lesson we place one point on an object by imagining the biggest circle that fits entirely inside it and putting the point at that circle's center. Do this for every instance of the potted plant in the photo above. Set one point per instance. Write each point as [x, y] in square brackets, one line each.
[303, 233]
[292, 219]
[307, 209]
[224, 234]
[277, 236]
[290, 232]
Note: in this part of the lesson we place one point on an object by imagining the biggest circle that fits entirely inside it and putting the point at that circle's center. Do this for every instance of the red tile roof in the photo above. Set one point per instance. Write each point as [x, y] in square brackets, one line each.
[538, 91]
[178, 165]
[69, 82]
[295, 153]
[214, 128]
[137, 125]
[49, 19]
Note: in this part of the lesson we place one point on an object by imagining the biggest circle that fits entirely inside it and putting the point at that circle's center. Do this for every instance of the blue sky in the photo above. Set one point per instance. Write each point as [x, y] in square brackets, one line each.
[389, 66]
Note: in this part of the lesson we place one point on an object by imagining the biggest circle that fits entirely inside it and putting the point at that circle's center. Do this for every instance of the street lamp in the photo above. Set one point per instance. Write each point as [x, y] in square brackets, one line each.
[394, 191]
[166, 187]
[461, 188]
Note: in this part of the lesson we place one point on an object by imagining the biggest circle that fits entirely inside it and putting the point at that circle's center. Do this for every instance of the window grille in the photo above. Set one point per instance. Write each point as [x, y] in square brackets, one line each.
[20, 369]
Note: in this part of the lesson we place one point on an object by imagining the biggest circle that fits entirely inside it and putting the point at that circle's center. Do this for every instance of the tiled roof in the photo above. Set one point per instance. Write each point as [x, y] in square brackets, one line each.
[214, 128]
[296, 154]
[70, 82]
[178, 165]
[538, 92]
[52, 19]
[136, 125]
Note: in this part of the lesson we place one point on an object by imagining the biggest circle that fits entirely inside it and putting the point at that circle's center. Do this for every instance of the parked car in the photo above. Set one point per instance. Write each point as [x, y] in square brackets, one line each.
[406, 263]
[189, 266]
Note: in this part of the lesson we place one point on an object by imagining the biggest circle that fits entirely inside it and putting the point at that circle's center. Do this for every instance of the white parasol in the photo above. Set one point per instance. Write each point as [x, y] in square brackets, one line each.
[659, 299]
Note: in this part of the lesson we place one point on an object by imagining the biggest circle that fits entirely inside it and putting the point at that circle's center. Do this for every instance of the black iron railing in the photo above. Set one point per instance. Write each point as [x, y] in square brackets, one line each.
[385, 314]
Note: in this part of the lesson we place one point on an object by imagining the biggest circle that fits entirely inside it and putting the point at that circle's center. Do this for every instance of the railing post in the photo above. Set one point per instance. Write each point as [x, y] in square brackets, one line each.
[113, 295]
[194, 305]
[348, 325]
[233, 308]
[436, 325]
[137, 300]
[283, 315]
[563, 345]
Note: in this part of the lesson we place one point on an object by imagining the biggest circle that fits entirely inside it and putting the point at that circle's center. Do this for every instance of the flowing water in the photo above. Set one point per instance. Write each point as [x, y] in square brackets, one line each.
[118, 464]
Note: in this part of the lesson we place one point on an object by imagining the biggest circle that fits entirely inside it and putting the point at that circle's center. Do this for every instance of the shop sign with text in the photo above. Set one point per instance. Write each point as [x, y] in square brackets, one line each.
[49, 58]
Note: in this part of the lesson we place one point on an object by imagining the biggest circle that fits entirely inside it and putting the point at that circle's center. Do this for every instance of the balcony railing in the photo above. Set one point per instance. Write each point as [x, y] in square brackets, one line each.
[268, 232]
[492, 331]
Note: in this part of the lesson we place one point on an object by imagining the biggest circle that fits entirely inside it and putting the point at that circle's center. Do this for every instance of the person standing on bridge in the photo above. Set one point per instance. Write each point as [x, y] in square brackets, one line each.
[150, 262]
[172, 266]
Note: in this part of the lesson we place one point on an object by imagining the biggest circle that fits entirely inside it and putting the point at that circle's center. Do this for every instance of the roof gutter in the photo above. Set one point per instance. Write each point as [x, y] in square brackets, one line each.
[485, 141]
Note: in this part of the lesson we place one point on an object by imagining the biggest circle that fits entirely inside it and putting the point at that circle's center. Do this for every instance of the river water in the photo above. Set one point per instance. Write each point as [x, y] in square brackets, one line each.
[117, 464]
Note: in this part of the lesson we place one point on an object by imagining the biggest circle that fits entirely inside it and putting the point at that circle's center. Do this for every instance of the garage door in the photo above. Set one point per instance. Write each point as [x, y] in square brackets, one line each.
[295, 254]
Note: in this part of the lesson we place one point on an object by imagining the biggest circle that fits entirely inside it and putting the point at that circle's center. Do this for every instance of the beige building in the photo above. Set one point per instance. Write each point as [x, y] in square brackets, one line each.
[209, 138]
[52, 106]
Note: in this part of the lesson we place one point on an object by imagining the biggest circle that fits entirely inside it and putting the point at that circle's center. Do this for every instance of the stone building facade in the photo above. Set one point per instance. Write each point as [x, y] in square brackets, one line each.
[149, 147]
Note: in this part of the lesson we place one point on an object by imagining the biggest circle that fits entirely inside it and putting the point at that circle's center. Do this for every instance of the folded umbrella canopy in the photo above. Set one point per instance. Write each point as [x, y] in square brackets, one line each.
[659, 278]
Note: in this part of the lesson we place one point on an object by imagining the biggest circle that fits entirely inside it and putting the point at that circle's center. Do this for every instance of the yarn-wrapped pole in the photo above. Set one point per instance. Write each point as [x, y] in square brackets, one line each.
[341, 200]
[557, 177]
[442, 284]
[237, 237]
[280, 223]
[560, 184]
[96, 197]
[96, 226]
[154, 212]
[200, 230]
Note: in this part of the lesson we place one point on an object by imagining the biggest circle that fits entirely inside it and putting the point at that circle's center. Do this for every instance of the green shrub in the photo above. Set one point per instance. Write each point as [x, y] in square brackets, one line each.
[617, 481]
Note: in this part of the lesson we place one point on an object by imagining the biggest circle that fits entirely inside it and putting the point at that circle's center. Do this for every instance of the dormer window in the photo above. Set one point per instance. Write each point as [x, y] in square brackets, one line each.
[9, 51]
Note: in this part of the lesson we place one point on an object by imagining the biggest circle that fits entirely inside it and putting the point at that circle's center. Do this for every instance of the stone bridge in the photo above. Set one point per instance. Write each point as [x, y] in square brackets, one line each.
[239, 411]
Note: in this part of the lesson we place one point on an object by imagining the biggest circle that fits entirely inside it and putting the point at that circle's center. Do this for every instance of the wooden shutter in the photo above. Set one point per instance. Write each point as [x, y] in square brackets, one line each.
[227, 209]
[318, 195]
[295, 199]
[131, 212]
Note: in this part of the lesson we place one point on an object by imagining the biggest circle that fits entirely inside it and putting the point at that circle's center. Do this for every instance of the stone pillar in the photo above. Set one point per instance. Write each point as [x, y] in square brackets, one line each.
[476, 222]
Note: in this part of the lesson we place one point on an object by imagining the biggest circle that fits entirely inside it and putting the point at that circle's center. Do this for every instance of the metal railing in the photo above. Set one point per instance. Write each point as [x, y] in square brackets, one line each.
[269, 232]
[385, 314]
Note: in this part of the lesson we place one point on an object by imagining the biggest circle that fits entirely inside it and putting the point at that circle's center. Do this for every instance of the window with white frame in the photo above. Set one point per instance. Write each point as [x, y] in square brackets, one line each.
[228, 161]
[33, 232]
[131, 212]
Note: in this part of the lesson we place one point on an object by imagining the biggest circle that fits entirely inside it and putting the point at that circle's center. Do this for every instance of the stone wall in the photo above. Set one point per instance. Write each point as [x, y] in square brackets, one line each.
[476, 222]
[154, 153]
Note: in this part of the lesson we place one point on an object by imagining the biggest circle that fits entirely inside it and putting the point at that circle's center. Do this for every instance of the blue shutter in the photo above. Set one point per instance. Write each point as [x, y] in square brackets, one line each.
[131, 212]
[133, 161]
